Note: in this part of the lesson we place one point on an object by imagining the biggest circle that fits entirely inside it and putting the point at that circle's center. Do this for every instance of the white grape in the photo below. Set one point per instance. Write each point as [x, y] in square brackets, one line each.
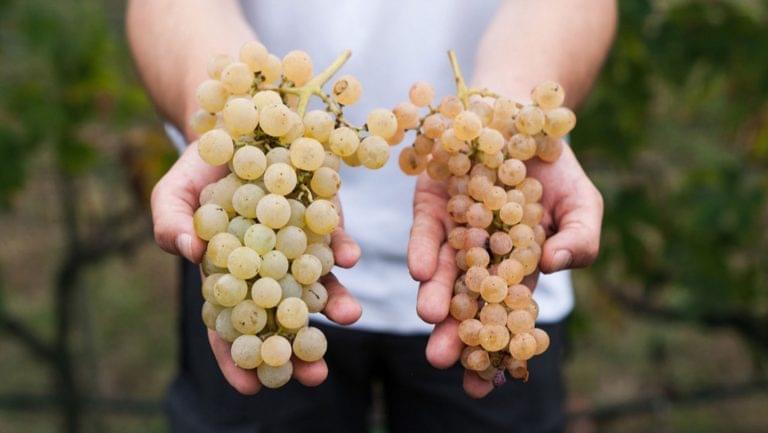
[310, 344]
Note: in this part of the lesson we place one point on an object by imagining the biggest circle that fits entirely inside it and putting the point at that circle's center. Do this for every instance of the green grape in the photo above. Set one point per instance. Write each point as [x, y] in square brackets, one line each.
[297, 213]
[278, 154]
[530, 120]
[421, 94]
[223, 191]
[237, 78]
[274, 264]
[276, 350]
[254, 54]
[274, 211]
[265, 98]
[215, 147]
[297, 67]
[548, 95]
[217, 63]
[238, 226]
[467, 125]
[280, 178]
[322, 217]
[249, 318]
[211, 96]
[209, 314]
[249, 162]
[240, 116]
[347, 90]
[272, 69]
[490, 140]
[207, 287]
[209, 268]
[559, 121]
[290, 287]
[224, 327]
[307, 154]
[202, 121]
[315, 296]
[260, 238]
[324, 253]
[382, 122]
[229, 290]
[291, 241]
[292, 313]
[325, 182]
[219, 247]
[306, 269]
[343, 141]
[208, 220]
[266, 292]
[246, 199]
[318, 124]
[246, 351]
[373, 152]
[310, 344]
[243, 263]
[275, 120]
[274, 377]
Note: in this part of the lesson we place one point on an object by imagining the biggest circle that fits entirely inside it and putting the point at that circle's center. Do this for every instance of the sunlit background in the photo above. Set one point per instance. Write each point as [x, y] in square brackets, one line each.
[670, 332]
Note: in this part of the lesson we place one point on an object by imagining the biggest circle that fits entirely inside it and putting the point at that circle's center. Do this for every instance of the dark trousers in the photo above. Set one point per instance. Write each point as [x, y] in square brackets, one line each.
[416, 397]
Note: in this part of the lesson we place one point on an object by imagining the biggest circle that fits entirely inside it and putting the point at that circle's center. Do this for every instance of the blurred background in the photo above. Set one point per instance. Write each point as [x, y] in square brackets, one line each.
[671, 327]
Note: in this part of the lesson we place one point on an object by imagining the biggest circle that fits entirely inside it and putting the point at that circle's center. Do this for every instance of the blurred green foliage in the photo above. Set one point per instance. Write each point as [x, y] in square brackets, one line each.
[676, 137]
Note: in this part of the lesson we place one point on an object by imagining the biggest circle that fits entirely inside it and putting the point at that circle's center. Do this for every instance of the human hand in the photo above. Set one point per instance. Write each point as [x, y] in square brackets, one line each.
[573, 216]
[174, 200]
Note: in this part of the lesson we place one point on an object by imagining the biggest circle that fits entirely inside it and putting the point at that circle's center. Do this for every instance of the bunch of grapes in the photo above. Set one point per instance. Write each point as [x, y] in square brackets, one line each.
[477, 142]
[268, 223]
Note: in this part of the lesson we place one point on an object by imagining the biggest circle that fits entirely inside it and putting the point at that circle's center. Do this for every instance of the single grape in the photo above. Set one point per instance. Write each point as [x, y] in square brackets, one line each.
[530, 120]
[511, 213]
[322, 217]
[422, 145]
[210, 219]
[215, 147]
[410, 162]
[254, 54]
[211, 96]
[306, 269]
[494, 337]
[467, 125]
[457, 208]
[450, 106]
[434, 125]
[500, 243]
[533, 213]
[243, 263]
[249, 318]
[382, 122]
[343, 141]
[206, 287]
[291, 241]
[276, 350]
[407, 115]
[559, 121]
[310, 344]
[495, 197]
[240, 116]
[217, 63]
[477, 360]
[260, 238]
[483, 110]
[237, 78]
[202, 121]
[475, 238]
[469, 332]
[265, 98]
[272, 69]
[549, 149]
[548, 95]
[518, 296]
[318, 124]
[290, 287]
[229, 290]
[493, 314]
[274, 377]
[324, 253]
[479, 216]
[292, 313]
[280, 178]
[347, 89]
[459, 164]
[521, 235]
[224, 328]
[297, 67]
[219, 247]
[531, 189]
[421, 94]
[273, 211]
[315, 296]
[474, 278]
[522, 346]
[490, 140]
[209, 314]
[307, 154]
[297, 213]
[511, 172]
[266, 292]
[542, 340]
[522, 147]
[278, 154]
[493, 289]
[463, 307]
[516, 196]
[274, 264]
[511, 270]
[517, 369]
[275, 120]
[246, 199]
[456, 237]
[246, 351]
[519, 321]
[249, 162]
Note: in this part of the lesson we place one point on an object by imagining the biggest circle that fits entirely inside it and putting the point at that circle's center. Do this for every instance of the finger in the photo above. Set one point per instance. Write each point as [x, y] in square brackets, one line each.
[475, 386]
[342, 307]
[577, 241]
[429, 228]
[444, 347]
[174, 200]
[244, 381]
[434, 297]
[346, 252]
[310, 373]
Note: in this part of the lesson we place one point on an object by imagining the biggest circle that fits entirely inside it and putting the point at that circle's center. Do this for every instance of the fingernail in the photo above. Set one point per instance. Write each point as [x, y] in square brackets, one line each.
[562, 260]
[184, 245]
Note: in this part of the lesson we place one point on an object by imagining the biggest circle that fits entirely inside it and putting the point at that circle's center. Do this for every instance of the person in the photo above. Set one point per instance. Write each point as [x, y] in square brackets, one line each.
[401, 329]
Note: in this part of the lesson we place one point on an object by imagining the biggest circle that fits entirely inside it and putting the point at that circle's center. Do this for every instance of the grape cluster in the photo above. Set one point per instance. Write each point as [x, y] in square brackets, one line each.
[477, 142]
[268, 223]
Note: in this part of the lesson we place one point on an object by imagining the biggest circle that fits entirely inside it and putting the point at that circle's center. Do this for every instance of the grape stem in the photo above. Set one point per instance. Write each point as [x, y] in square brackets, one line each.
[315, 85]
[462, 91]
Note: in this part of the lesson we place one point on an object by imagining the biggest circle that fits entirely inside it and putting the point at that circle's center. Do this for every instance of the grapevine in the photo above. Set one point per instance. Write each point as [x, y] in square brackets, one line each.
[477, 142]
[268, 223]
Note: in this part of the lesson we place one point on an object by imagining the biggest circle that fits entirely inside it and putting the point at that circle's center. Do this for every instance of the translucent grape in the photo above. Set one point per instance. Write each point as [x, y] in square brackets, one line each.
[382, 122]
[297, 213]
[456, 237]
[511, 213]
[249, 162]
[494, 337]
[451, 142]
[522, 346]
[475, 238]
[306, 269]
[343, 141]
[292, 313]
[530, 120]
[410, 162]
[522, 147]
[274, 265]
[347, 89]
[549, 149]
[275, 120]
[260, 238]
[463, 307]
[272, 69]
[457, 208]
[243, 263]
[207, 287]
[246, 199]
[209, 314]
[240, 116]
[495, 198]
[421, 94]
[519, 321]
[542, 340]
[237, 78]
[467, 125]
[459, 164]
[249, 318]
[474, 278]
[307, 154]
[224, 328]
[500, 243]
[434, 125]
[477, 359]
[493, 289]
[310, 344]
[280, 178]
[450, 106]
[407, 115]
[211, 96]
[516, 196]
[423, 145]
[324, 253]
[254, 54]
[266, 292]
[274, 377]
[490, 140]
[278, 154]
[521, 235]
[548, 95]
[533, 213]
[229, 290]
[202, 121]
[559, 121]
[219, 247]
[511, 270]
[493, 314]
[531, 189]
[469, 332]
[276, 350]
[511, 172]
[265, 98]
[479, 216]
[217, 63]
[315, 296]
[291, 241]
[273, 211]
[210, 219]
[216, 147]
[290, 287]
[297, 67]
[318, 124]
[246, 351]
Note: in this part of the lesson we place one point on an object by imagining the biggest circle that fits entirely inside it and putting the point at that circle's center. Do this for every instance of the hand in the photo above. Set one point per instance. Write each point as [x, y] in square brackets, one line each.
[174, 200]
[573, 216]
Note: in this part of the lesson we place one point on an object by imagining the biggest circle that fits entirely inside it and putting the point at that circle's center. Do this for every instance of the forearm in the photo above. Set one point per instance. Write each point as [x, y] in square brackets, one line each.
[172, 41]
[531, 41]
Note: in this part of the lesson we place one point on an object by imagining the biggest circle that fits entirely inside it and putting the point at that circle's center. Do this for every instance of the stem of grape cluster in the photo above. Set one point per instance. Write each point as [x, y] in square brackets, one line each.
[461, 86]
[315, 85]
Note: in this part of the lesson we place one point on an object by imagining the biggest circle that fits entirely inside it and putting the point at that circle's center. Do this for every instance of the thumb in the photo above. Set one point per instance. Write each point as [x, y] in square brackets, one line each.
[577, 240]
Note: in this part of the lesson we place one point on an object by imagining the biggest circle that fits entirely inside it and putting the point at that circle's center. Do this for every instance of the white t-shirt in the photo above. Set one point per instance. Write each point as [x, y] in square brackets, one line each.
[394, 43]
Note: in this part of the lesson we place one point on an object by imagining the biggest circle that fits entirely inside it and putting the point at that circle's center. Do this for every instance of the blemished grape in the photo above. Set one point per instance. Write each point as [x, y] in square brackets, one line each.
[274, 377]
[511, 172]
[315, 296]
[382, 122]
[229, 290]
[292, 313]
[310, 344]
[306, 269]
[530, 120]
[343, 141]
[548, 95]
[215, 147]
[307, 154]
[210, 219]
[274, 264]
[266, 292]
[511, 270]
[246, 351]
[522, 346]
[211, 95]
[276, 350]
[467, 125]
[474, 278]
[237, 78]
[493, 289]
[511, 213]
[275, 120]
[549, 149]
[318, 124]
[421, 94]
[280, 178]
[246, 199]
[410, 162]
[493, 337]
[495, 198]
[224, 328]
[478, 360]
[202, 121]
[272, 69]
[248, 318]
[518, 297]
[273, 211]
[347, 89]
[490, 140]
[500, 243]
[297, 67]
[240, 116]
[249, 162]
[522, 147]
[324, 253]
[434, 125]
[219, 247]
